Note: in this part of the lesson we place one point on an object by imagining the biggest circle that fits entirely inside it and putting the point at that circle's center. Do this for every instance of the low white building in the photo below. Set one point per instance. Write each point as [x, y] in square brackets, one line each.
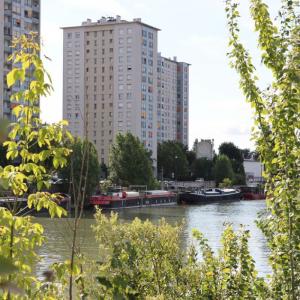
[204, 149]
[253, 170]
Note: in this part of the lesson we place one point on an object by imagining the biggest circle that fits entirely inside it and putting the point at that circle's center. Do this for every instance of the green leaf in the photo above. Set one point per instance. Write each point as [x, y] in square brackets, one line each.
[4, 183]
[6, 266]
[15, 75]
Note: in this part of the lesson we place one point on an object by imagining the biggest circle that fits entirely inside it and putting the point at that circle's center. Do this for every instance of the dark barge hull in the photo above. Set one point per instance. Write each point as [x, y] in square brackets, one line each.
[135, 202]
[254, 196]
[193, 198]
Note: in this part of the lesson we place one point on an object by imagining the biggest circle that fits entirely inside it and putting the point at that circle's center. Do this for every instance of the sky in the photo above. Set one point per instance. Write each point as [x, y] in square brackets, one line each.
[193, 30]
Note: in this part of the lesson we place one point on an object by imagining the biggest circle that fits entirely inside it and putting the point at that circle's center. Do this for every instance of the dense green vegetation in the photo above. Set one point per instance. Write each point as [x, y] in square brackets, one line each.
[130, 162]
[172, 161]
[82, 168]
[223, 169]
[236, 159]
[202, 168]
[176, 162]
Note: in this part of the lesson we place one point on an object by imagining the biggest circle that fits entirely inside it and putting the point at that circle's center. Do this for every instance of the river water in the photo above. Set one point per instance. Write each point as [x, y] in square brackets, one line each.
[209, 219]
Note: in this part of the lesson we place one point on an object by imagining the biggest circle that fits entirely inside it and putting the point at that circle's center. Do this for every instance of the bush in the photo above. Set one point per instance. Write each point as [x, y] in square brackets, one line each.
[141, 260]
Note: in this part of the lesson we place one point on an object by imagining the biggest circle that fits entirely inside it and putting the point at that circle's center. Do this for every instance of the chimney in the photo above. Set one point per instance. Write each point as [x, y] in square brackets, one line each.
[137, 20]
[118, 18]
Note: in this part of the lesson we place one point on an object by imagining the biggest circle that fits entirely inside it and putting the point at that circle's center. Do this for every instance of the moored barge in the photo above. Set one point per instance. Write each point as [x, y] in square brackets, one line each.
[252, 193]
[209, 196]
[116, 200]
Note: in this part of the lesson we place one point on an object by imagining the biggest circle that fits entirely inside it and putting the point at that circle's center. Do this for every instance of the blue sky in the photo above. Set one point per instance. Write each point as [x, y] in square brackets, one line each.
[194, 31]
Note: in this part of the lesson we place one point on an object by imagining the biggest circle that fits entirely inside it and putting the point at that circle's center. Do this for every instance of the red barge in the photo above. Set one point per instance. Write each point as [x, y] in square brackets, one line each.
[115, 200]
[252, 193]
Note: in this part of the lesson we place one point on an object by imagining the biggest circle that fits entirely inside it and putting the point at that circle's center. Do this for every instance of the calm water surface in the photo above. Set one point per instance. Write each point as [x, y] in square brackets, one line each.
[209, 219]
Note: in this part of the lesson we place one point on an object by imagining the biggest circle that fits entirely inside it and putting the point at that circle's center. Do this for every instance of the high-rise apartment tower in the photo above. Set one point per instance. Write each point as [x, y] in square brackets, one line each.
[173, 100]
[16, 17]
[114, 81]
[110, 81]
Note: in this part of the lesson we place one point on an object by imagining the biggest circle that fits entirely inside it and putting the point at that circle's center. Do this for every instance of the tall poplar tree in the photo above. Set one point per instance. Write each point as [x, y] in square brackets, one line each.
[276, 132]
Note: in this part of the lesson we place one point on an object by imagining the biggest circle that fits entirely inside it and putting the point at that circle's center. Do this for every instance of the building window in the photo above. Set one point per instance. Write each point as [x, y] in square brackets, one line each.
[16, 22]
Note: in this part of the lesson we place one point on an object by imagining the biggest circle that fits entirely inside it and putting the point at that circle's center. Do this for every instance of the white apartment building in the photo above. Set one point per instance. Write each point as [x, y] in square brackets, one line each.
[112, 83]
[173, 100]
[167, 99]
[16, 17]
[204, 149]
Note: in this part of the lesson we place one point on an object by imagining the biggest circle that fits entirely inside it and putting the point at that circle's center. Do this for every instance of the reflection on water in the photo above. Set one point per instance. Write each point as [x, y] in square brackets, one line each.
[209, 219]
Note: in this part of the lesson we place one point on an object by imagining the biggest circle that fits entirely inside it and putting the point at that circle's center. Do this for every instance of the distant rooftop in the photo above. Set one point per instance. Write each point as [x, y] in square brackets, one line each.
[110, 21]
[174, 59]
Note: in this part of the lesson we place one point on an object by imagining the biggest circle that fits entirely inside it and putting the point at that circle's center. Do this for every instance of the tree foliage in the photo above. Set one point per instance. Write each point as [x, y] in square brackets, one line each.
[276, 131]
[226, 183]
[223, 169]
[231, 151]
[130, 162]
[171, 157]
[203, 168]
[19, 235]
[82, 169]
[236, 158]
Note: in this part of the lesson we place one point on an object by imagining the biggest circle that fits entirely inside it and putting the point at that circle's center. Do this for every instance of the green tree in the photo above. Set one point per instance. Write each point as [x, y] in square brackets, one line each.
[171, 157]
[223, 169]
[129, 162]
[246, 153]
[191, 157]
[226, 183]
[19, 235]
[236, 157]
[82, 169]
[231, 151]
[104, 170]
[276, 131]
[203, 168]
